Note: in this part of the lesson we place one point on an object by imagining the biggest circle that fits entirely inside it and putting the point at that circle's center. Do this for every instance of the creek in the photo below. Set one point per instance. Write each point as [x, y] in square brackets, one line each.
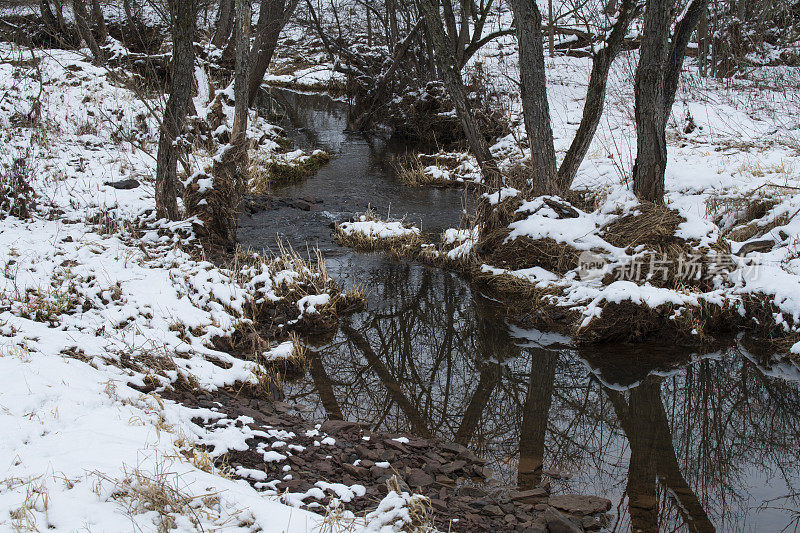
[678, 440]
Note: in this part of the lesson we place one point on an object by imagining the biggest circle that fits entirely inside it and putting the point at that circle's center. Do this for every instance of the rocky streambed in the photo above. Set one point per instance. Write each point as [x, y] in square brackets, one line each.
[311, 465]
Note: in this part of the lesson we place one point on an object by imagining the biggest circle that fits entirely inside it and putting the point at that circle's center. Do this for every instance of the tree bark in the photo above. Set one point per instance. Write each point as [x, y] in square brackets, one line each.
[650, 115]
[533, 92]
[99, 21]
[272, 17]
[183, 14]
[595, 96]
[657, 77]
[680, 40]
[224, 23]
[451, 76]
[82, 21]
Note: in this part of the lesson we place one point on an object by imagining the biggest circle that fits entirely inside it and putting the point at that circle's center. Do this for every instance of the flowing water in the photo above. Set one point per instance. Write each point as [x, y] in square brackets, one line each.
[678, 440]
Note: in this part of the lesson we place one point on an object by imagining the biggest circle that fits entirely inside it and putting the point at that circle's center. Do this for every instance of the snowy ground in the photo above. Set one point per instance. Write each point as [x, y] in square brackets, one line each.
[99, 301]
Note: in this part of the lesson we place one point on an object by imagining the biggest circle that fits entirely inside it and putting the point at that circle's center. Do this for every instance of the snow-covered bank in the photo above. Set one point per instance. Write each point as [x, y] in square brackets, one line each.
[102, 307]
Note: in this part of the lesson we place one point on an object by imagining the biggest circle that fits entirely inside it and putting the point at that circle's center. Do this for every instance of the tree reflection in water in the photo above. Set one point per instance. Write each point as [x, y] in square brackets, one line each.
[678, 441]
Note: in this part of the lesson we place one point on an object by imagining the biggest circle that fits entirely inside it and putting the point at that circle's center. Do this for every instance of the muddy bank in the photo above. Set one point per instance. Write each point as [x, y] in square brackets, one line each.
[292, 456]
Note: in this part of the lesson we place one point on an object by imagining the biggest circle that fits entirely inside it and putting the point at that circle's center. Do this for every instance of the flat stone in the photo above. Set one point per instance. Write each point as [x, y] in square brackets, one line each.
[558, 523]
[417, 478]
[451, 467]
[493, 510]
[358, 471]
[339, 426]
[472, 492]
[528, 496]
[123, 185]
[453, 447]
[579, 504]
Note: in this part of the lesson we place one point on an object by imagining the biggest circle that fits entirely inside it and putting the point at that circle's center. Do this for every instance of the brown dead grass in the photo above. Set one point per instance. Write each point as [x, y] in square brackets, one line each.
[653, 224]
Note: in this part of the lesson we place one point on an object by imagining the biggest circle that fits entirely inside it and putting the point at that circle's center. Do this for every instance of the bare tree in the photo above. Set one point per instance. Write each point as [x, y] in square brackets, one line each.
[656, 81]
[596, 94]
[82, 21]
[272, 17]
[224, 23]
[230, 164]
[533, 91]
[99, 21]
[183, 15]
[450, 71]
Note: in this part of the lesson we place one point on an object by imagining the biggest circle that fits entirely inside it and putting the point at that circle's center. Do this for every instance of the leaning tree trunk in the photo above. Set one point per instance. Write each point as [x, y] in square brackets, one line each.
[230, 165]
[680, 40]
[650, 115]
[533, 91]
[82, 21]
[272, 17]
[451, 76]
[183, 13]
[99, 21]
[224, 24]
[595, 96]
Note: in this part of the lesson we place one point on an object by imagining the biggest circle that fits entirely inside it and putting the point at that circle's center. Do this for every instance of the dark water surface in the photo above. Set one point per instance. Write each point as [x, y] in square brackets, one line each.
[679, 441]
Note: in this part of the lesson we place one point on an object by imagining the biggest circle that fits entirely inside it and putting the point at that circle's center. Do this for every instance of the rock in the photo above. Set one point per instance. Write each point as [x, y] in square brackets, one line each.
[300, 204]
[472, 492]
[439, 504]
[590, 523]
[453, 447]
[358, 471]
[528, 496]
[579, 504]
[399, 446]
[441, 478]
[449, 468]
[493, 510]
[763, 245]
[339, 426]
[366, 453]
[417, 478]
[124, 185]
[558, 523]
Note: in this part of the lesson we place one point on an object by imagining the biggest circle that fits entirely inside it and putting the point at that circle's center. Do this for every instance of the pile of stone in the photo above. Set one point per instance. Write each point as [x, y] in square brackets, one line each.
[462, 494]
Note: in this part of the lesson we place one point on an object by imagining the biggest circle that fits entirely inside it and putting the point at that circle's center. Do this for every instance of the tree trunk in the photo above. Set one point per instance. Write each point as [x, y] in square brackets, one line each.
[451, 76]
[230, 165]
[183, 14]
[595, 96]
[551, 28]
[702, 43]
[99, 21]
[533, 91]
[52, 24]
[224, 23]
[272, 17]
[650, 115]
[680, 40]
[82, 21]
[657, 77]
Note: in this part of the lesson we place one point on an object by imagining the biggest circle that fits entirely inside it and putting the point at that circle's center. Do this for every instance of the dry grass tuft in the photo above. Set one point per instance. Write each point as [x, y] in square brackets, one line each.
[139, 492]
[267, 172]
[406, 245]
[653, 224]
[17, 197]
